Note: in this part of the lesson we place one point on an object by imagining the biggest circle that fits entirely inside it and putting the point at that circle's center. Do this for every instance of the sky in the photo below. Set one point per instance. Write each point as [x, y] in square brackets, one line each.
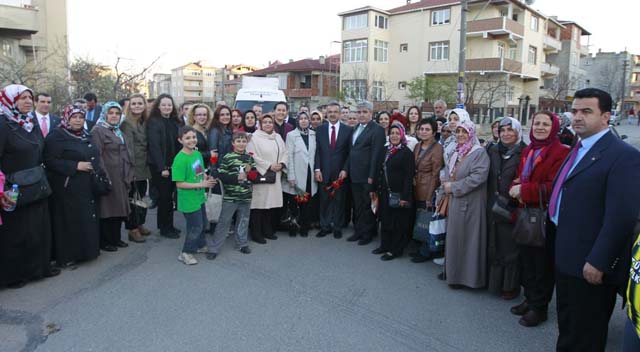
[255, 32]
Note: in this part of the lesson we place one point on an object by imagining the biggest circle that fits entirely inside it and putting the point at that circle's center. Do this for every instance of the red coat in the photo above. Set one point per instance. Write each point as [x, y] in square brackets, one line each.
[543, 173]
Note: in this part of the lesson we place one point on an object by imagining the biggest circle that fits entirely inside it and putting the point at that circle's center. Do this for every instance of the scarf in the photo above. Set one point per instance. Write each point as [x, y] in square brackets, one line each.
[69, 111]
[462, 149]
[103, 119]
[392, 149]
[303, 131]
[553, 136]
[8, 105]
[506, 151]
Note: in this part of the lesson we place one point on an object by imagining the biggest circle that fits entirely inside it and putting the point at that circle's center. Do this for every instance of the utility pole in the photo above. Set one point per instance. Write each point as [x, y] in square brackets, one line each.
[462, 56]
[625, 63]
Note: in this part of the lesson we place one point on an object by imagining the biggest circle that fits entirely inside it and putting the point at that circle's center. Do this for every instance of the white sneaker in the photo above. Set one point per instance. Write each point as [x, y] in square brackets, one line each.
[439, 261]
[204, 249]
[187, 258]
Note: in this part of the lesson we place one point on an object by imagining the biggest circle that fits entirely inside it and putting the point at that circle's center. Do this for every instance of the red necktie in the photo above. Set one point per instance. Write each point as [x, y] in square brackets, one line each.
[333, 137]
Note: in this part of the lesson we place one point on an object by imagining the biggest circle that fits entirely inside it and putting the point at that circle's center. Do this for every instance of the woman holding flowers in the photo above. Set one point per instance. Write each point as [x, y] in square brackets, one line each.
[301, 149]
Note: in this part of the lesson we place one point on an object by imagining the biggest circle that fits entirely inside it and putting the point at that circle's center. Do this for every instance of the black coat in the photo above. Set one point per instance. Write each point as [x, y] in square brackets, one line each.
[162, 141]
[203, 148]
[329, 162]
[399, 176]
[74, 210]
[501, 174]
[366, 155]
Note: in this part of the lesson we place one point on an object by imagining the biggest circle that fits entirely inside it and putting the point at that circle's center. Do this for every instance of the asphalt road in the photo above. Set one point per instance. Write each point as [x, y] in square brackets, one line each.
[293, 294]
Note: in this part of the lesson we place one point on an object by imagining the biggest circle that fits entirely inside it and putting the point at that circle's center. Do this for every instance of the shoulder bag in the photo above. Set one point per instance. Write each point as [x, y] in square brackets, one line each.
[32, 185]
[529, 229]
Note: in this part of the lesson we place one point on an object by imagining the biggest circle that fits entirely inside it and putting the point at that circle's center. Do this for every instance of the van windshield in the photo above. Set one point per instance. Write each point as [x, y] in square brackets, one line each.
[244, 105]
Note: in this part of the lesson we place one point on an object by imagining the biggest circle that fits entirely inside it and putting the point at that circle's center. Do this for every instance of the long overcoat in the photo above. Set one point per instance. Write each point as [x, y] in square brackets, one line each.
[267, 149]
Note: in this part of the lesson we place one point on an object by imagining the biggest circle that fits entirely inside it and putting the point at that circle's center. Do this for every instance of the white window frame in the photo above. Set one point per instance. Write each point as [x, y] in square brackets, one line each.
[355, 51]
[358, 21]
[532, 57]
[381, 51]
[355, 88]
[513, 53]
[381, 22]
[535, 23]
[501, 48]
[441, 17]
[439, 51]
[377, 90]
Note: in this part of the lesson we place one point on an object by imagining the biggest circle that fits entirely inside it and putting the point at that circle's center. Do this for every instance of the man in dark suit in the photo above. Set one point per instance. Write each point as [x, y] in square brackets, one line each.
[363, 168]
[93, 109]
[333, 141]
[46, 120]
[594, 205]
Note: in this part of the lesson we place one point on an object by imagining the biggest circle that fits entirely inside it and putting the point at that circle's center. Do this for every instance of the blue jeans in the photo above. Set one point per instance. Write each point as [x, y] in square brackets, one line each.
[195, 237]
[242, 209]
[631, 341]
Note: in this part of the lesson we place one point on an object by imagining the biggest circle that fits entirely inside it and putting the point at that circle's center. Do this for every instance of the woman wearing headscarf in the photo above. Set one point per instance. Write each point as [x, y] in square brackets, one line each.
[134, 128]
[114, 160]
[504, 269]
[466, 186]
[454, 118]
[25, 236]
[71, 159]
[539, 163]
[301, 151]
[270, 153]
[396, 181]
[566, 134]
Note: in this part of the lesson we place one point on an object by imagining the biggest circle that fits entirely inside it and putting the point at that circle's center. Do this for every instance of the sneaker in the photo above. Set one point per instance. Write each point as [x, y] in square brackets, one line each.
[204, 249]
[187, 258]
[439, 261]
[245, 250]
[211, 256]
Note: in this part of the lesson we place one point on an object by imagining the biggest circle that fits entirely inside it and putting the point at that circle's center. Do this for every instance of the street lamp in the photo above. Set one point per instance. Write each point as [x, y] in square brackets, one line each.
[336, 79]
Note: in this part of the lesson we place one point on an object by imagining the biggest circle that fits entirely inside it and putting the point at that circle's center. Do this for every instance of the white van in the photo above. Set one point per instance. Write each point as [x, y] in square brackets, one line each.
[259, 90]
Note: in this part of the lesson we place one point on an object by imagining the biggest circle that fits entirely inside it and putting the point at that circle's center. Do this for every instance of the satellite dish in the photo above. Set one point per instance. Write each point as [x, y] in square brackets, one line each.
[529, 2]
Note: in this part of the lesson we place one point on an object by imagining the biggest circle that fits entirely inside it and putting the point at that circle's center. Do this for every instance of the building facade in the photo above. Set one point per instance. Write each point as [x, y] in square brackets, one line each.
[614, 73]
[193, 82]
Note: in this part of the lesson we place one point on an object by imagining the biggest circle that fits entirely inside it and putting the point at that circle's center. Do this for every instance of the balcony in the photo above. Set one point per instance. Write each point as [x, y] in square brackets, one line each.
[584, 50]
[549, 70]
[551, 44]
[301, 92]
[493, 64]
[33, 43]
[495, 28]
[23, 21]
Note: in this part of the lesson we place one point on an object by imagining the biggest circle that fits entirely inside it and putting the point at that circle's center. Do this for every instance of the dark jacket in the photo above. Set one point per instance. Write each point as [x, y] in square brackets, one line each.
[162, 142]
[502, 172]
[203, 148]
[136, 136]
[220, 141]
[366, 155]
[598, 211]
[283, 129]
[329, 162]
[400, 168]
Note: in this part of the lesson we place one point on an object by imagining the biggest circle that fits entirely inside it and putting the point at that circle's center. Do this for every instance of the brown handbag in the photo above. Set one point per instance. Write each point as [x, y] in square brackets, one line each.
[529, 229]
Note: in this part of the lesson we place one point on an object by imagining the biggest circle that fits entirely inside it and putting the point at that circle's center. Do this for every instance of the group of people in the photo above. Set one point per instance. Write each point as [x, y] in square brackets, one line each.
[276, 172]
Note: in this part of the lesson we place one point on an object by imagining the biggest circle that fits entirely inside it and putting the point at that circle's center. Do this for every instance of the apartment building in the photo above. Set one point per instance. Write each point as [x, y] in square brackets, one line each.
[309, 82]
[33, 41]
[506, 52]
[228, 81]
[609, 70]
[193, 82]
[160, 83]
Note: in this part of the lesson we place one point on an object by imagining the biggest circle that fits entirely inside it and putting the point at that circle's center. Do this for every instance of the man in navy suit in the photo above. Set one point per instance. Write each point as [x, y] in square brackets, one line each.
[333, 141]
[363, 167]
[594, 205]
[46, 120]
[93, 109]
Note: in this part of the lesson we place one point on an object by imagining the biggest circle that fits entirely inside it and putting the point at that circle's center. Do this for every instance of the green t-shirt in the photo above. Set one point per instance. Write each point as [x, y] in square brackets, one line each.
[190, 169]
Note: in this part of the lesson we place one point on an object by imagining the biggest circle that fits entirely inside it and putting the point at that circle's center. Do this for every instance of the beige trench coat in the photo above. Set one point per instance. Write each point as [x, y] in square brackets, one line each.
[267, 149]
[300, 159]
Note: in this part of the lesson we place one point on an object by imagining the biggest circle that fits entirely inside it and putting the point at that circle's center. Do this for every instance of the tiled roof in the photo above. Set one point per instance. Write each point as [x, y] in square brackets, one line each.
[300, 66]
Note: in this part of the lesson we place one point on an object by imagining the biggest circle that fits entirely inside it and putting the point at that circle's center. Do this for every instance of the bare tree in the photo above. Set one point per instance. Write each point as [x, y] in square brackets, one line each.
[128, 81]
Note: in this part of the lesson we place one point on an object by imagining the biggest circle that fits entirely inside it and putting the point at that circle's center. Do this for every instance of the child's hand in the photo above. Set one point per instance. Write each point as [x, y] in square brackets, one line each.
[242, 177]
[247, 168]
[208, 183]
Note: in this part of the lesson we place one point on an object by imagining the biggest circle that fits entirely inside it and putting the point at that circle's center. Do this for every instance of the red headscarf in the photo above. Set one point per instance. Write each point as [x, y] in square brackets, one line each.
[553, 135]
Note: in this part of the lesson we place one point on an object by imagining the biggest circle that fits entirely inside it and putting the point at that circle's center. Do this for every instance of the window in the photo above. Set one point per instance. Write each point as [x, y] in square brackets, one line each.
[355, 51]
[378, 91]
[500, 49]
[355, 89]
[7, 50]
[534, 23]
[404, 48]
[382, 22]
[574, 59]
[402, 85]
[533, 53]
[380, 51]
[513, 53]
[440, 17]
[439, 51]
[356, 21]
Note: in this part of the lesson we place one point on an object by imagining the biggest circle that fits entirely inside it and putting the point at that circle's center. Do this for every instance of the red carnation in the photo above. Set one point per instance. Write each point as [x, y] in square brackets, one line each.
[251, 153]
[213, 160]
[252, 175]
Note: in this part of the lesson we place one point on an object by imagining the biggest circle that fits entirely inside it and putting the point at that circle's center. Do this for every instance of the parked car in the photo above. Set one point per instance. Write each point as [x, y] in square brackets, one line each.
[615, 118]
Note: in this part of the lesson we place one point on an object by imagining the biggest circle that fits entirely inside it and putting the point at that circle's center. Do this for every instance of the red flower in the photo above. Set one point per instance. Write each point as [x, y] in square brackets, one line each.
[251, 153]
[252, 175]
[213, 160]
[332, 194]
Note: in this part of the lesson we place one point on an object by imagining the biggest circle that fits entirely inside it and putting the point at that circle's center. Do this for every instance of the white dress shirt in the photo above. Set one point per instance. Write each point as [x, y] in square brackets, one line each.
[337, 126]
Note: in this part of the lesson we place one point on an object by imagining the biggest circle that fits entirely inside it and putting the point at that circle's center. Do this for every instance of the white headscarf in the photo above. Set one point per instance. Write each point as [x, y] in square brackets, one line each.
[515, 124]
[9, 105]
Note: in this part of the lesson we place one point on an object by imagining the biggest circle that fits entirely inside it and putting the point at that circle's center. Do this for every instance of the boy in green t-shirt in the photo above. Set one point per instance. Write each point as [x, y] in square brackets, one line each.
[234, 170]
[190, 178]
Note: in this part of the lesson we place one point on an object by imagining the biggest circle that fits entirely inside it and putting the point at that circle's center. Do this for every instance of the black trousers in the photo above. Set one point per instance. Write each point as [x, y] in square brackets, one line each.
[538, 271]
[331, 209]
[110, 231]
[584, 311]
[365, 223]
[348, 204]
[260, 223]
[165, 188]
[395, 228]
[302, 211]
[139, 219]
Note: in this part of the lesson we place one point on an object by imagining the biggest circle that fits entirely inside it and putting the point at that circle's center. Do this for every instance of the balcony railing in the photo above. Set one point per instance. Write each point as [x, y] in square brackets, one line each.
[584, 50]
[549, 69]
[493, 64]
[551, 43]
[497, 26]
[19, 19]
[301, 92]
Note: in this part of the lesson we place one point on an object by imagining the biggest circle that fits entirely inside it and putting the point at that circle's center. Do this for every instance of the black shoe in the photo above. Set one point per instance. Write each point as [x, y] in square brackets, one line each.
[353, 238]
[121, 244]
[442, 277]
[17, 284]
[337, 234]
[211, 256]
[420, 259]
[520, 309]
[176, 231]
[53, 271]
[259, 240]
[415, 254]
[271, 237]
[387, 256]
[364, 241]
[379, 250]
[292, 233]
[69, 266]
[533, 318]
[456, 286]
[109, 248]
[304, 233]
[169, 234]
[245, 250]
[322, 233]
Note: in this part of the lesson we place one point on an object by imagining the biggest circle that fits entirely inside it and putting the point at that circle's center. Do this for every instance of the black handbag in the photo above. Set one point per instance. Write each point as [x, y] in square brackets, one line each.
[268, 177]
[502, 208]
[394, 200]
[100, 184]
[32, 185]
[529, 229]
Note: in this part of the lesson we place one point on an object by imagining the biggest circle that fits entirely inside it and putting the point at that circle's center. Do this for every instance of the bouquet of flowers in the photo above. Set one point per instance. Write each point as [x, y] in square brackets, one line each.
[333, 187]
[301, 196]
